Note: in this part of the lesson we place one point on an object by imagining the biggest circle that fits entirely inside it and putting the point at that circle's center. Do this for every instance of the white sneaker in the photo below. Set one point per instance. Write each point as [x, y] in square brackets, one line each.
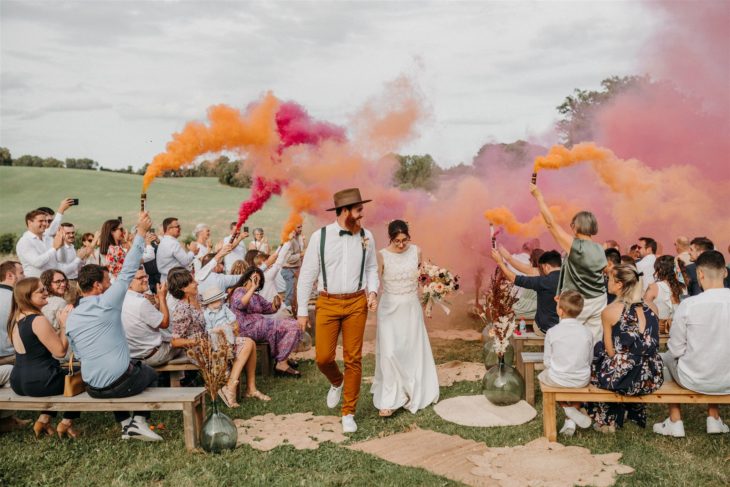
[580, 419]
[716, 426]
[568, 428]
[670, 428]
[348, 423]
[334, 395]
[138, 429]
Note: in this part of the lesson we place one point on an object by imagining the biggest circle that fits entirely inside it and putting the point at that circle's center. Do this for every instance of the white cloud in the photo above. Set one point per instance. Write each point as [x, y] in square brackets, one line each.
[113, 80]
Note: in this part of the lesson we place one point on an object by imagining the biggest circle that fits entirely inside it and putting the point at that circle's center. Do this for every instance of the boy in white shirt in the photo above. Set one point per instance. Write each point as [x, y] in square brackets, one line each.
[568, 356]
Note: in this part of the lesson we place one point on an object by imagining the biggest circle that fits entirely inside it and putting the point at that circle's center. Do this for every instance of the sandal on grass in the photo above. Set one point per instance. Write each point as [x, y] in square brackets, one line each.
[228, 397]
[289, 372]
[257, 395]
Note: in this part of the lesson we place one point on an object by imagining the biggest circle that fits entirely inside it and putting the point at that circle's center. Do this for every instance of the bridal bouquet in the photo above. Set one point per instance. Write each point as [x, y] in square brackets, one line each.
[498, 312]
[436, 283]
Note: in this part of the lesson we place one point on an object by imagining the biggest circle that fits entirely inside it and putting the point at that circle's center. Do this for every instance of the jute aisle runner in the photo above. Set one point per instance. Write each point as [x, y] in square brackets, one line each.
[537, 464]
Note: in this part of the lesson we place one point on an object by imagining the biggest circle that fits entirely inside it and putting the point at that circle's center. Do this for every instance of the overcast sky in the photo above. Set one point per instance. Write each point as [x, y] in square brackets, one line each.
[112, 80]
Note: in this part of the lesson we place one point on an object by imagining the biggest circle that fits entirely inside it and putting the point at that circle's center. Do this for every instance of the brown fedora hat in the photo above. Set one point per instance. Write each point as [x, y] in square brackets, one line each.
[348, 197]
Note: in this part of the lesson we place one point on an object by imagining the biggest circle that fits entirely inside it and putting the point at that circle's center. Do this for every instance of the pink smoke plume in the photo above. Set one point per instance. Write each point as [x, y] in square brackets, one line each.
[294, 126]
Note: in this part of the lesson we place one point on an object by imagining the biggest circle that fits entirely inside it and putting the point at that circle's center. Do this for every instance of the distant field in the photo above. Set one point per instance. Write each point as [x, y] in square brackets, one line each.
[105, 195]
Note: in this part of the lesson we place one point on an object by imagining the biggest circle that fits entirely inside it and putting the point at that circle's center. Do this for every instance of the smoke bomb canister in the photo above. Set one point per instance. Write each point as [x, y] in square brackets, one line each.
[143, 202]
[534, 178]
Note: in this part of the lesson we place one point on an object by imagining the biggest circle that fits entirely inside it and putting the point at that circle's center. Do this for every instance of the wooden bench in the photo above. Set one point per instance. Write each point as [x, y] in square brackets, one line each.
[669, 393]
[531, 361]
[189, 400]
[176, 370]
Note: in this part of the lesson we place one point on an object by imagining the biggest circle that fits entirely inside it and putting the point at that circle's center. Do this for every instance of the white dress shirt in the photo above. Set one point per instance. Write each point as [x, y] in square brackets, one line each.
[646, 265]
[238, 253]
[36, 254]
[272, 273]
[700, 338]
[68, 261]
[568, 353]
[343, 256]
[141, 322]
[207, 278]
[171, 254]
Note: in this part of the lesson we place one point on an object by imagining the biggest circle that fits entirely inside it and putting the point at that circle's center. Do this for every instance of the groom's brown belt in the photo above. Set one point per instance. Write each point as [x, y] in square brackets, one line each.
[359, 293]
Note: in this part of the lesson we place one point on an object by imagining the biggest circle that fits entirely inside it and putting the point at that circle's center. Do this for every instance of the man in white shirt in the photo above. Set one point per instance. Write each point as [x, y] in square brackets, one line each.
[142, 323]
[238, 252]
[170, 253]
[568, 355]
[69, 261]
[36, 252]
[343, 268]
[647, 251]
[697, 357]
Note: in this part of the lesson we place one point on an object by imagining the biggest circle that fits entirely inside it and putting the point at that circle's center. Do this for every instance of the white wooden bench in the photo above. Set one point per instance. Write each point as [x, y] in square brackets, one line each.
[189, 400]
[669, 393]
[531, 361]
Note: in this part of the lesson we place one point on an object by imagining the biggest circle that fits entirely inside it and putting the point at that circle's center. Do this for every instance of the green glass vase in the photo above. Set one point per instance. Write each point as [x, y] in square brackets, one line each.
[219, 432]
[490, 357]
[502, 385]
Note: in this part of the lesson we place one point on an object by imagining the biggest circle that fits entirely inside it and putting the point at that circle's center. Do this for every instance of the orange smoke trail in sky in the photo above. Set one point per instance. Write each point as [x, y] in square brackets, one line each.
[229, 129]
[503, 217]
[560, 156]
[300, 199]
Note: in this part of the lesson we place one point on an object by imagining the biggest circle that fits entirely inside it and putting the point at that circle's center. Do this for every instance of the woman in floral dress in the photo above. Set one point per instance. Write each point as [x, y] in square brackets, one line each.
[188, 325]
[627, 361]
[256, 321]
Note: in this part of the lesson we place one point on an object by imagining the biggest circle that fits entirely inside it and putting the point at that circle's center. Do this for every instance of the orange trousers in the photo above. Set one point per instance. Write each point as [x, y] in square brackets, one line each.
[348, 316]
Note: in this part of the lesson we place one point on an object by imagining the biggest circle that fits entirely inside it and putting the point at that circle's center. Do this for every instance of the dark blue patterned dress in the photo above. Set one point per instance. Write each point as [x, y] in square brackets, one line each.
[635, 369]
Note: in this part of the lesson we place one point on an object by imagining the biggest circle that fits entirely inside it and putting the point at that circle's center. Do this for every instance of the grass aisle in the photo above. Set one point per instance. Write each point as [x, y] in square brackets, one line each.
[100, 457]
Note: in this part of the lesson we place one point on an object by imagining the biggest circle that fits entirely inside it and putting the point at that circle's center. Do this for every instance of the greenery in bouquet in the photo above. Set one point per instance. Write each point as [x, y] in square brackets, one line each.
[212, 360]
[436, 283]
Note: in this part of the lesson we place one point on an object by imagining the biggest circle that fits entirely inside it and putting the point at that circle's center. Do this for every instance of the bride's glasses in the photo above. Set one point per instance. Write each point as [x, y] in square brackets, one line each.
[401, 241]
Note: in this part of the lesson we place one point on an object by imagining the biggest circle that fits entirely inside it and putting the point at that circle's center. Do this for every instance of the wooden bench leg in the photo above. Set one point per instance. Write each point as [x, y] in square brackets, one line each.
[517, 345]
[549, 416]
[175, 378]
[530, 383]
[191, 425]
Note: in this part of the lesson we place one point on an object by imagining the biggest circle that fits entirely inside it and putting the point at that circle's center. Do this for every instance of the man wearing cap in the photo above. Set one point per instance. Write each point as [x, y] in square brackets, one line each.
[341, 260]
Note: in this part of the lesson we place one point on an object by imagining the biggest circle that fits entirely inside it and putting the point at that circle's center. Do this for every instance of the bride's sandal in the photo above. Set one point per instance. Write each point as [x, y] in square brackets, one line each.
[228, 397]
[257, 395]
[386, 413]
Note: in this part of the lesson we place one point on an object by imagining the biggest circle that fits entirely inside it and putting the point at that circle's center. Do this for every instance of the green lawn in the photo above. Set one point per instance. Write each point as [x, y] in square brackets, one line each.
[100, 457]
[106, 195]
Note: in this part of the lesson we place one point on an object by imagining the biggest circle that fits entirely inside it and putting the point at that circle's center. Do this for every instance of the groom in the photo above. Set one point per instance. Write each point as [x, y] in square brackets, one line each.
[341, 259]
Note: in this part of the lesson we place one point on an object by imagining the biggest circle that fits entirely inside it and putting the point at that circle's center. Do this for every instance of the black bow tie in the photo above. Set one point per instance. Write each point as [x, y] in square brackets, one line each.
[345, 232]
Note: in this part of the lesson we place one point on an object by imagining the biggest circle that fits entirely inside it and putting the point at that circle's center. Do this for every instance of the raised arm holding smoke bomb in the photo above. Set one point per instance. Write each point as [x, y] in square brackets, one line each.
[562, 237]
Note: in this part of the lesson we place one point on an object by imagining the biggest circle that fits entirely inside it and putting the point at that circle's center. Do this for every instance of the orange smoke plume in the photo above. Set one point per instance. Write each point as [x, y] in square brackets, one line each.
[229, 129]
[560, 156]
[535, 226]
[301, 199]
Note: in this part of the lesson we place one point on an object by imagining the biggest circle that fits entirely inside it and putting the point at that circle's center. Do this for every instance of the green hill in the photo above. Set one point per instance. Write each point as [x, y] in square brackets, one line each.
[105, 195]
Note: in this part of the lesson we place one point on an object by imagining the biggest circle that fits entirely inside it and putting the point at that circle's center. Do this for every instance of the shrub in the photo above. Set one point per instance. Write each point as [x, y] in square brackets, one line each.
[7, 243]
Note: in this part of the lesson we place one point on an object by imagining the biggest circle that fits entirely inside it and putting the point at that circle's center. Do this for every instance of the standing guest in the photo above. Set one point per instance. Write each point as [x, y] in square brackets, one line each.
[567, 357]
[56, 283]
[259, 241]
[90, 248]
[201, 234]
[170, 253]
[54, 219]
[613, 258]
[10, 273]
[188, 325]
[150, 263]
[36, 252]
[634, 252]
[681, 246]
[272, 273]
[697, 357]
[256, 321]
[524, 264]
[36, 372]
[67, 256]
[627, 259]
[612, 244]
[697, 247]
[96, 334]
[583, 269]
[666, 292]
[545, 285]
[143, 323]
[292, 264]
[238, 252]
[114, 245]
[627, 361]
[647, 251]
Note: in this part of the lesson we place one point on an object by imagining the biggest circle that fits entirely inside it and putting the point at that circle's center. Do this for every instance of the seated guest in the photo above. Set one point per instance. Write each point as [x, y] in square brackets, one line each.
[67, 257]
[697, 357]
[255, 320]
[629, 260]
[90, 248]
[697, 247]
[567, 357]
[647, 251]
[545, 285]
[238, 268]
[524, 264]
[272, 273]
[259, 242]
[143, 323]
[211, 273]
[10, 273]
[188, 325]
[666, 292]
[170, 253]
[613, 258]
[627, 361]
[36, 372]
[612, 244]
[56, 284]
[97, 336]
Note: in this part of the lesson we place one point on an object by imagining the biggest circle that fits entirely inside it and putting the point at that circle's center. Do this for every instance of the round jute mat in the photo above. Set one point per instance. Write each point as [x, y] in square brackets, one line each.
[478, 411]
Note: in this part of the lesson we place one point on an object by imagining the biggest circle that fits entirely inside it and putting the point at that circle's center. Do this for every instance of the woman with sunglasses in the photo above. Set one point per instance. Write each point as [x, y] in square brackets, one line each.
[90, 248]
[37, 372]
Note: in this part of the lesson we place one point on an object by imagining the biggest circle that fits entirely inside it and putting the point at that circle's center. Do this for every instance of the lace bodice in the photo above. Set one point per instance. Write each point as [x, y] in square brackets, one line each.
[400, 271]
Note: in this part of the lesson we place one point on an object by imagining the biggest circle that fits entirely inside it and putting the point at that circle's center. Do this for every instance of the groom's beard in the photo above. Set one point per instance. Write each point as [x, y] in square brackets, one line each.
[353, 224]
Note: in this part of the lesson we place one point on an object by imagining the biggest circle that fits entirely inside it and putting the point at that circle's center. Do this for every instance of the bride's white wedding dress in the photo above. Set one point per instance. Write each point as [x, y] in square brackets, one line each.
[405, 373]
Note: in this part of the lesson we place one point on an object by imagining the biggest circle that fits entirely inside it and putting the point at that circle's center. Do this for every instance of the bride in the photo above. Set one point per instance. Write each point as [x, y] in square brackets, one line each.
[405, 373]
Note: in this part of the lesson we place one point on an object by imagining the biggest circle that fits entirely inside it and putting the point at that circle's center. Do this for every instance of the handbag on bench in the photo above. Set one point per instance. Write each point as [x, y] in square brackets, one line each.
[73, 384]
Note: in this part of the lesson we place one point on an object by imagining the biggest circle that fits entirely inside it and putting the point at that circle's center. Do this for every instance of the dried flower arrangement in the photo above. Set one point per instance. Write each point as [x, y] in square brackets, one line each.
[212, 361]
[497, 311]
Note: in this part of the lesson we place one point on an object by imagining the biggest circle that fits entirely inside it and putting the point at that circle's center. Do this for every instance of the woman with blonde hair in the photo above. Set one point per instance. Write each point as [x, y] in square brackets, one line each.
[582, 269]
[627, 361]
[36, 372]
